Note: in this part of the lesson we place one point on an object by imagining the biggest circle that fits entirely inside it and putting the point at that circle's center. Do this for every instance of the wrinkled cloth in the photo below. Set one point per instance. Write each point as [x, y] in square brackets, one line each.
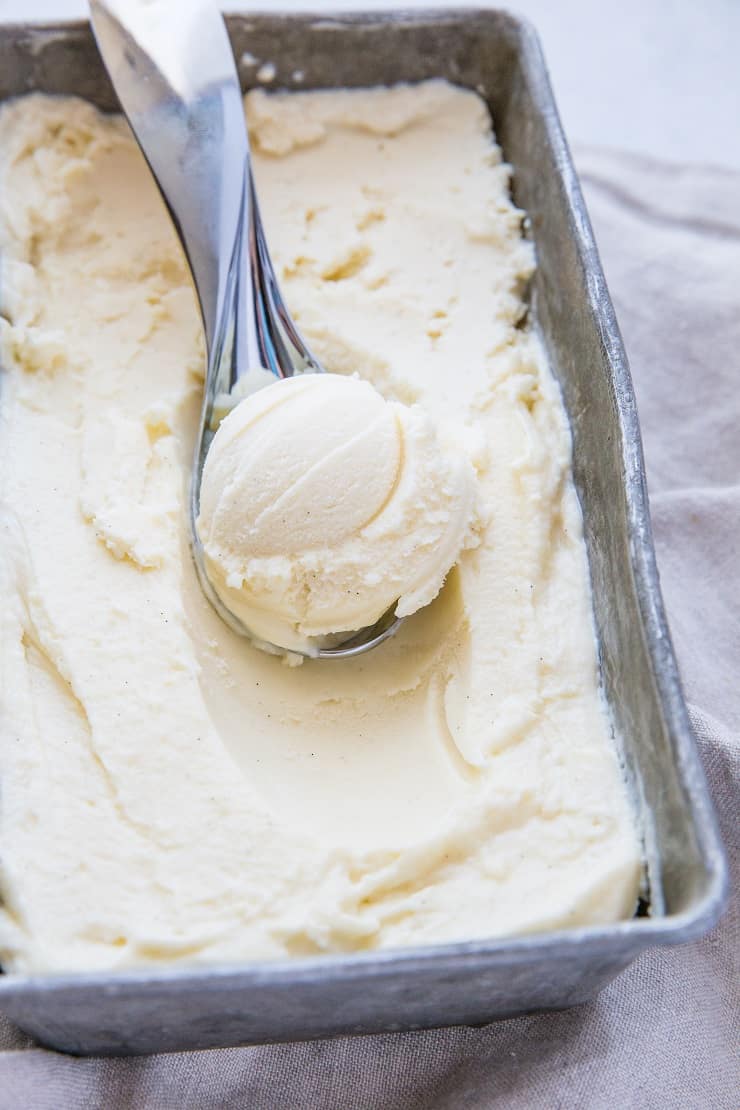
[665, 1033]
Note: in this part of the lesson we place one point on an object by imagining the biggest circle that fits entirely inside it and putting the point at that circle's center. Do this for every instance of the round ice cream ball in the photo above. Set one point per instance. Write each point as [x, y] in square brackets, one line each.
[322, 505]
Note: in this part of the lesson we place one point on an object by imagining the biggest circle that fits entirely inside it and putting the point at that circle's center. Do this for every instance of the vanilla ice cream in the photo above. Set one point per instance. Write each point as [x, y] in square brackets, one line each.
[323, 505]
[171, 793]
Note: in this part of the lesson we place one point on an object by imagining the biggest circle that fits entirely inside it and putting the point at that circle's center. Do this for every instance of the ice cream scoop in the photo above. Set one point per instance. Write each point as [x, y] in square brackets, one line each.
[269, 578]
[173, 71]
[323, 506]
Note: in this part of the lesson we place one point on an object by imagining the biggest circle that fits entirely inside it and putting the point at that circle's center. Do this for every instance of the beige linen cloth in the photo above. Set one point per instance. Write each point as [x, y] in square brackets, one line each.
[666, 1032]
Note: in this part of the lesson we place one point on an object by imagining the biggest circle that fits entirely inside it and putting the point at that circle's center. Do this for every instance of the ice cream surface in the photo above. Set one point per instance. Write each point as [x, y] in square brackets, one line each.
[169, 792]
[323, 505]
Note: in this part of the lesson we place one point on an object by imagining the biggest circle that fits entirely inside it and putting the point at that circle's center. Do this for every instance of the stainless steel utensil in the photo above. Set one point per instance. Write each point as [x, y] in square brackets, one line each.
[169, 1009]
[173, 71]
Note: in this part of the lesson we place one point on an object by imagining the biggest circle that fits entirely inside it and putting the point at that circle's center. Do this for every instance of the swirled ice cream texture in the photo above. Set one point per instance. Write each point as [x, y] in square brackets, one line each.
[169, 793]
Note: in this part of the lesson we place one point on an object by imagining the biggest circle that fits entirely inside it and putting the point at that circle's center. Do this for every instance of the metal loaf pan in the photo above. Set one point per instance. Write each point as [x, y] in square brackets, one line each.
[164, 1010]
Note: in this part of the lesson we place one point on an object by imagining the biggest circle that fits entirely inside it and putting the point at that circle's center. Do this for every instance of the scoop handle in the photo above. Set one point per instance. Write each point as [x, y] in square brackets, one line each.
[173, 71]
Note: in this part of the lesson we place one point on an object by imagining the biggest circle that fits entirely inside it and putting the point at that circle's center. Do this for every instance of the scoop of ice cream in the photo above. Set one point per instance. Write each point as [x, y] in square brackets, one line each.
[322, 505]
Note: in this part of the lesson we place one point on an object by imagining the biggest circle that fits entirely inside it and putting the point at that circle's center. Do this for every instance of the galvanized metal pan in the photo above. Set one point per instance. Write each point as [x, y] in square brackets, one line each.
[164, 1010]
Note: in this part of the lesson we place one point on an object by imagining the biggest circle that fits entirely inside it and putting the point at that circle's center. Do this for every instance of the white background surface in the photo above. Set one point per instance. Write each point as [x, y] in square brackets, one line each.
[661, 77]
